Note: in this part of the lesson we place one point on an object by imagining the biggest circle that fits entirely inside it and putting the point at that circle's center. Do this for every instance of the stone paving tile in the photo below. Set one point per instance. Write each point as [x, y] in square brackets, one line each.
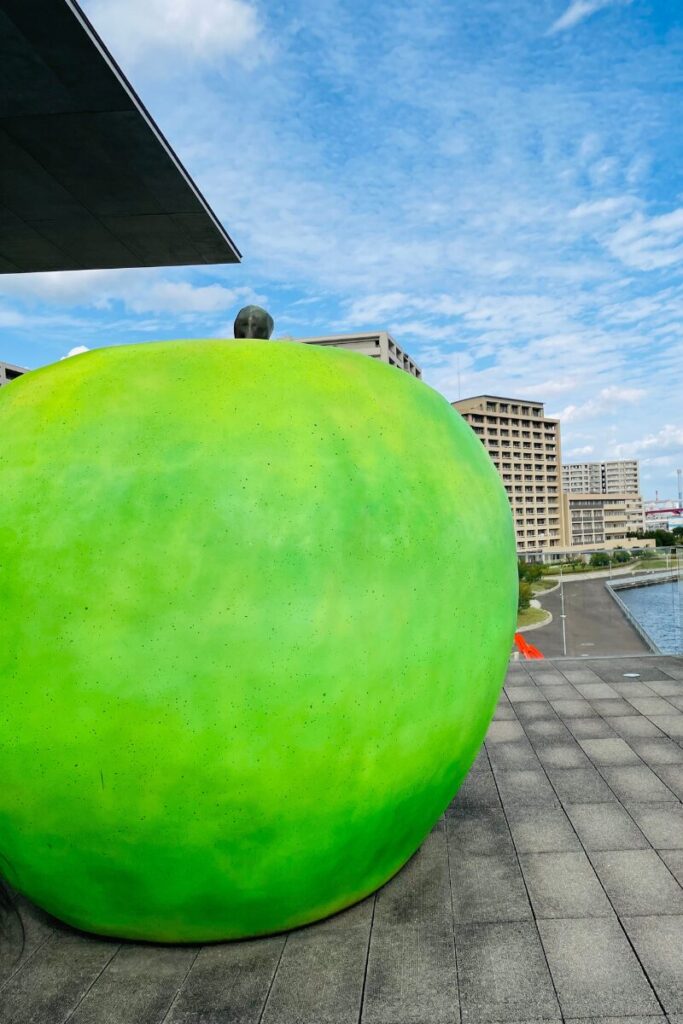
[24, 930]
[479, 831]
[613, 708]
[503, 732]
[671, 724]
[525, 787]
[611, 751]
[636, 784]
[411, 977]
[541, 829]
[638, 882]
[320, 976]
[635, 727]
[661, 823]
[518, 694]
[488, 888]
[228, 981]
[617, 1020]
[632, 688]
[666, 688]
[605, 827]
[419, 894]
[481, 762]
[518, 754]
[566, 754]
[478, 790]
[535, 710]
[579, 708]
[563, 691]
[590, 728]
[580, 786]
[594, 969]
[672, 776]
[545, 677]
[651, 705]
[646, 670]
[411, 969]
[564, 885]
[516, 679]
[596, 691]
[139, 984]
[582, 676]
[545, 730]
[658, 941]
[503, 974]
[55, 979]
[657, 751]
[676, 702]
[674, 861]
[504, 713]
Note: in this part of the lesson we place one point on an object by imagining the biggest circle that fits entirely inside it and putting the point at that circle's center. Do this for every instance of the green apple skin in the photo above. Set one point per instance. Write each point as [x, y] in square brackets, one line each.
[258, 601]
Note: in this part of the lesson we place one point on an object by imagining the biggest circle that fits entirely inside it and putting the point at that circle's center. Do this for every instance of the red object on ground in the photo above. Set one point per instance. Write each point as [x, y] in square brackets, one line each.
[526, 649]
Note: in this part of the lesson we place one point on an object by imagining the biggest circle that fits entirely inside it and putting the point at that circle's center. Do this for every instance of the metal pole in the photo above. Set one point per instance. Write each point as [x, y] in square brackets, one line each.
[562, 615]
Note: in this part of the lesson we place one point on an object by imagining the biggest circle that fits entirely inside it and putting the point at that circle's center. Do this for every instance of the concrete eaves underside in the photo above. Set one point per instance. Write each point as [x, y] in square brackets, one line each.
[86, 178]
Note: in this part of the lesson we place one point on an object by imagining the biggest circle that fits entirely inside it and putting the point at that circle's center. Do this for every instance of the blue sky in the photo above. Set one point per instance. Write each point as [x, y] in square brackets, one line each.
[499, 183]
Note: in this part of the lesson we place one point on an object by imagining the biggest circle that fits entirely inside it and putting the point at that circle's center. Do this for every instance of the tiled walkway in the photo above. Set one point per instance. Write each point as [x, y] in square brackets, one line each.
[551, 889]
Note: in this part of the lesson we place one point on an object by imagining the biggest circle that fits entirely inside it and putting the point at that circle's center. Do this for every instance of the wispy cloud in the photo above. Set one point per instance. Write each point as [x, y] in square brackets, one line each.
[186, 30]
[608, 400]
[579, 10]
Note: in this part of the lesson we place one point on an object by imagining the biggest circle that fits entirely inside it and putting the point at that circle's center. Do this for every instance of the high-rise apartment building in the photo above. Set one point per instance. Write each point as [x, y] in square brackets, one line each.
[378, 346]
[10, 372]
[524, 445]
[619, 477]
[602, 520]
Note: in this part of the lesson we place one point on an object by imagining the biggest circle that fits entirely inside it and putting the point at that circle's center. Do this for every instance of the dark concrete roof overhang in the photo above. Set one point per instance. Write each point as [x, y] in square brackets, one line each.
[86, 178]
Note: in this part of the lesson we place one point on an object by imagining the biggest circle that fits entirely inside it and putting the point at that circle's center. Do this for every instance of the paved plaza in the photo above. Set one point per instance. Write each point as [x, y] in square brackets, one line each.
[550, 890]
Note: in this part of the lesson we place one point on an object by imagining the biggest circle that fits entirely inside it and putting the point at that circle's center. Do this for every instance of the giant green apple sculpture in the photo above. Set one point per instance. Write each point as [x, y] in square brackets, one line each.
[257, 602]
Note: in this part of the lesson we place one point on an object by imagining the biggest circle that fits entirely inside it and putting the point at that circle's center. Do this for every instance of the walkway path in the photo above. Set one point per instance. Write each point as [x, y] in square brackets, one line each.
[595, 625]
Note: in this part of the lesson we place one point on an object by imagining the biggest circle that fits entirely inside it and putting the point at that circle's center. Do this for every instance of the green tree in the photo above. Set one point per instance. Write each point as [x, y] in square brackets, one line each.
[525, 594]
[621, 555]
[662, 538]
[599, 559]
[530, 572]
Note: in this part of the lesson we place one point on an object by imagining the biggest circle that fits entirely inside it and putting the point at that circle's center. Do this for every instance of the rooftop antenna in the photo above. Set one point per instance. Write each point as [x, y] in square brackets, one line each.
[679, 473]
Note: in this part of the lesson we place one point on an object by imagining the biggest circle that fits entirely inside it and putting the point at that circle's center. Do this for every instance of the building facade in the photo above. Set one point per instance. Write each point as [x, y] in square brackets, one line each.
[524, 445]
[378, 346]
[619, 477]
[10, 372]
[597, 520]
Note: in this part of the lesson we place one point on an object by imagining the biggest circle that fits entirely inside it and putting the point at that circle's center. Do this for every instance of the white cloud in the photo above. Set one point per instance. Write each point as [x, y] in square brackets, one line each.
[77, 351]
[207, 30]
[650, 243]
[578, 453]
[139, 291]
[579, 10]
[608, 400]
[668, 438]
[609, 207]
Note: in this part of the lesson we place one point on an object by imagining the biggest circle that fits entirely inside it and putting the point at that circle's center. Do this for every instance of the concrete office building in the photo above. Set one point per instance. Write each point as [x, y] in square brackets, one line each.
[524, 445]
[619, 477]
[378, 346]
[10, 372]
[599, 521]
